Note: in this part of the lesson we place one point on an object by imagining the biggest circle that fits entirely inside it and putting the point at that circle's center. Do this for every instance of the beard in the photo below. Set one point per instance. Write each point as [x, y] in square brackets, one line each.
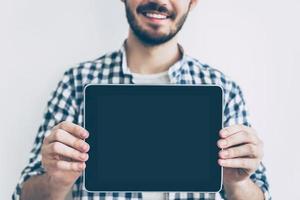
[145, 36]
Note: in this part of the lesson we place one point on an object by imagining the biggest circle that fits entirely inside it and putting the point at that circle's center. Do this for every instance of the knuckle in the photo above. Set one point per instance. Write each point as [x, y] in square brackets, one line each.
[77, 131]
[55, 127]
[63, 124]
[250, 136]
[247, 134]
[231, 152]
[77, 128]
[56, 147]
[42, 157]
[252, 149]
[227, 142]
[57, 135]
[46, 139]
[235, 152]
[43, 150]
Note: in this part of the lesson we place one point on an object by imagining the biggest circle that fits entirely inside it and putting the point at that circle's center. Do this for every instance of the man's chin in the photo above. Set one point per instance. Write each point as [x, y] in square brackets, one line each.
[153, 41]
[151, 35]
[155, 35]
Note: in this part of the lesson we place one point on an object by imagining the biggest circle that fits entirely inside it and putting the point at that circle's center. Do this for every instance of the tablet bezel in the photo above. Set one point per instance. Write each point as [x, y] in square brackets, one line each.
[179, 85]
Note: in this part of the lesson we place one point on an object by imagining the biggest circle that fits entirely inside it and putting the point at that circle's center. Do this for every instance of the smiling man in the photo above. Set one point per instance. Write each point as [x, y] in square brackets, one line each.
[150, 55]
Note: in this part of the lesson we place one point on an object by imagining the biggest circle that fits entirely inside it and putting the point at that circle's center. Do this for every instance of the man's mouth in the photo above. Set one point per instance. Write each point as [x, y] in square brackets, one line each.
[155, 12]
[155, 15]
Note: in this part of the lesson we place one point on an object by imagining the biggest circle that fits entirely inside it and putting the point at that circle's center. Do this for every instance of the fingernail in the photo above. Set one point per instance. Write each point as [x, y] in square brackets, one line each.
[223, 132]
[81, 166]
[85, 147]
[221, 161]
[85, 134]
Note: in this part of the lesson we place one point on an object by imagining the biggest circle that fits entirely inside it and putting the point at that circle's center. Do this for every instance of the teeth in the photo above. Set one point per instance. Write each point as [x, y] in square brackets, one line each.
[155, 15]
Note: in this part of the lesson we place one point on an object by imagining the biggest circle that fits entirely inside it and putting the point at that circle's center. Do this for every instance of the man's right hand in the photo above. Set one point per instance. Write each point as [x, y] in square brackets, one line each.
[64, 153]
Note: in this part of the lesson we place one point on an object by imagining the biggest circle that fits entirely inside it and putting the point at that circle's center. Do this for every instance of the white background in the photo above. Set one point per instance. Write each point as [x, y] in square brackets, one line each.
[255, 42]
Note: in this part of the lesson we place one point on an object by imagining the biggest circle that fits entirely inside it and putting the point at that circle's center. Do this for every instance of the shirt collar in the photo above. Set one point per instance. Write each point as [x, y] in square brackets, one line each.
[174, 71]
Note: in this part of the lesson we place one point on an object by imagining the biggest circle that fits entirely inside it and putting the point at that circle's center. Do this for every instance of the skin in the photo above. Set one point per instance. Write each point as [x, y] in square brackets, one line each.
[241, 154]
[64, 151]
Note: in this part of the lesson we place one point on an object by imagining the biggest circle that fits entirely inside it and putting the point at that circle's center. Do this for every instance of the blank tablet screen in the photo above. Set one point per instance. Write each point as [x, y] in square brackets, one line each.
[153, 138]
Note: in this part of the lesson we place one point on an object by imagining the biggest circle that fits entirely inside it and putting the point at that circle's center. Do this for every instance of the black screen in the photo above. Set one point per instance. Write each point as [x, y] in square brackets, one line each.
[153, 138]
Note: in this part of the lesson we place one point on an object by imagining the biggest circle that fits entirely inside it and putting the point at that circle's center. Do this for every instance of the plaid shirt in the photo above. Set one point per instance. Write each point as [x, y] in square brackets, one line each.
[66, 104]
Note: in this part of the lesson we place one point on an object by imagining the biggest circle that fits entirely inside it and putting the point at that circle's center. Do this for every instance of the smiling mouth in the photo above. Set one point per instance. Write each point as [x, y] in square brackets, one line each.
[155, 15]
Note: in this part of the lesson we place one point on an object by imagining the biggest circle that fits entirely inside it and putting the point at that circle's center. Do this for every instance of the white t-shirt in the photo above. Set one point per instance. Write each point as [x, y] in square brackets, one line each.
[159, 78]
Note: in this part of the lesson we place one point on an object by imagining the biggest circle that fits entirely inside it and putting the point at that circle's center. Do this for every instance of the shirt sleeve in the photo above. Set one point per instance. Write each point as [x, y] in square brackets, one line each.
[235, 112]
[61, 106]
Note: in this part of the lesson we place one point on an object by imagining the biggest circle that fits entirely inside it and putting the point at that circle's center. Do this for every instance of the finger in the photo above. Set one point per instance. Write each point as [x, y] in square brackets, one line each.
[241, 137]
[57, 148]
[230, 130]
[247, 150]
[66, 138]
[243, 163]
[72, 128]
[65, 165]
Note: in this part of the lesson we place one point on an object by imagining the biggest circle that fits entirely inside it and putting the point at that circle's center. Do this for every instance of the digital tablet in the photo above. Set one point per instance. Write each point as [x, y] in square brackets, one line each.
[153, 138]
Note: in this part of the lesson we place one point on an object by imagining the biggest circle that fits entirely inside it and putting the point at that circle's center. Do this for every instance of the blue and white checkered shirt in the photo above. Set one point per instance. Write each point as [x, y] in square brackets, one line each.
[66, 104]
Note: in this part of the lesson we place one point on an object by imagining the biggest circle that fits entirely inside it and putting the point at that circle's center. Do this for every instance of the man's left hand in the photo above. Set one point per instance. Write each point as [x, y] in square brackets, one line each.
[241, 153]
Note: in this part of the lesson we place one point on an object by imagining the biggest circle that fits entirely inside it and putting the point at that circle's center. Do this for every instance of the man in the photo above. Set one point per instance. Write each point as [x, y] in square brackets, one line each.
[150, 55]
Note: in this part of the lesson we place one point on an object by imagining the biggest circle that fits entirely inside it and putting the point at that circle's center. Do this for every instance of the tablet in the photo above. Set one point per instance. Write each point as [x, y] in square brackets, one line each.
[153, 138]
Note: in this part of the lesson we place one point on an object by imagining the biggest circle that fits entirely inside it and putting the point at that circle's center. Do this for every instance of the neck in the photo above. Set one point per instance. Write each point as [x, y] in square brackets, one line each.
[145, 59]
